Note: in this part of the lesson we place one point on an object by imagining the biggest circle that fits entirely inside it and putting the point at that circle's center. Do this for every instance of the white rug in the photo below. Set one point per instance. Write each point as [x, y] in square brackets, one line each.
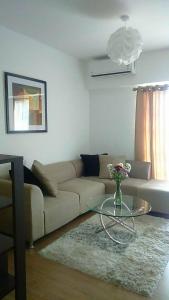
[137, 266]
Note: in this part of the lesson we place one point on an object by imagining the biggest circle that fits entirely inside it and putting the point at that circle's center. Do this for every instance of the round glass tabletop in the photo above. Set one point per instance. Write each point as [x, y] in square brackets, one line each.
[131, 206]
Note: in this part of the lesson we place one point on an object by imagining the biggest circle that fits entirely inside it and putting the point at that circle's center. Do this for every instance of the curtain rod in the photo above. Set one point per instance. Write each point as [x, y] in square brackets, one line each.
[152, 87]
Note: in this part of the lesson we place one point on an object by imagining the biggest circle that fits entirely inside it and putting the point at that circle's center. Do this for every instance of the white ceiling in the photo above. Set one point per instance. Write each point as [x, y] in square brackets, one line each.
[82, 27]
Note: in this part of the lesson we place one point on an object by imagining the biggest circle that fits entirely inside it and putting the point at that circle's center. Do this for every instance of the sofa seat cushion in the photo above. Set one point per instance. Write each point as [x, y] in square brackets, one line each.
[109, 183]
[130, 186]
[60, 210]
[157, 193]
[96, 178]
[84, 188]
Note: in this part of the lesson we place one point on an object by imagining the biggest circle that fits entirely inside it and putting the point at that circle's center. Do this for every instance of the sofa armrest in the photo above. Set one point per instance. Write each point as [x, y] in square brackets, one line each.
[34, 210]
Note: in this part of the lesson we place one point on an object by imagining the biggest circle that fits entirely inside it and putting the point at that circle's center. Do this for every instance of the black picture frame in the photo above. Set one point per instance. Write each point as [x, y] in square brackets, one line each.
[25, 104]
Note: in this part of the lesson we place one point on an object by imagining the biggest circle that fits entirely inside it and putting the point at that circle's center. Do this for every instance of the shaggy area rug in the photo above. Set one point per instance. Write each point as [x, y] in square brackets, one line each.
[137, 266]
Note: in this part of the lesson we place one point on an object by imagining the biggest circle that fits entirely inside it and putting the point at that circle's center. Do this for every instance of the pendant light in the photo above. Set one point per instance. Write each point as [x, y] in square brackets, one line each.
[125, 44]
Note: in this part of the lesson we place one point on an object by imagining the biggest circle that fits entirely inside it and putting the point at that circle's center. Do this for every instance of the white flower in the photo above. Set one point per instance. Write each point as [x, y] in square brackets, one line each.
[110, 169]
[127, 167]
[110, 166]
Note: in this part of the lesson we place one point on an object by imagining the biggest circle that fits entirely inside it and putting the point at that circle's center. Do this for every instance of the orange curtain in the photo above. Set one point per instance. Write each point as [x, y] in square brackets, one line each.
[152, 130]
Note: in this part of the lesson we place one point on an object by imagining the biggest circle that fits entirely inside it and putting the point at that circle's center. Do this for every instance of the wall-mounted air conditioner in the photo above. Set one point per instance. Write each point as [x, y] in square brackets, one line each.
[105, 67]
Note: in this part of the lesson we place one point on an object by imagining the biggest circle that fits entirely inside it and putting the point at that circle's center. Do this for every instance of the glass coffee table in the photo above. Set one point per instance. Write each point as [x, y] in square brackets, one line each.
[118, 220]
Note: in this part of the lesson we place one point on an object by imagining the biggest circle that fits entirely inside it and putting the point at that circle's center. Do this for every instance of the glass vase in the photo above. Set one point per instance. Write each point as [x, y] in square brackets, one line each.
[118, 193]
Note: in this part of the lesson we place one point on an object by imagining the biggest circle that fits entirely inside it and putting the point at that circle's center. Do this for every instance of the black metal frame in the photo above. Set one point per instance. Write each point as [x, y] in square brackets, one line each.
[6, 75]
[18, 225]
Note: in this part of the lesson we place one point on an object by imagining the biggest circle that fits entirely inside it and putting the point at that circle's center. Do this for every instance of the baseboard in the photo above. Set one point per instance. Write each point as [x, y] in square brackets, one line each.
[158, 214]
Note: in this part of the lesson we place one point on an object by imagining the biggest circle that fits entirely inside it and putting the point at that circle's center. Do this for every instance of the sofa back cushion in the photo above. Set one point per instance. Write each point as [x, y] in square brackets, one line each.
[108, 159]
[140, 169]
[46, 178]
[61, 171]
[79, 168]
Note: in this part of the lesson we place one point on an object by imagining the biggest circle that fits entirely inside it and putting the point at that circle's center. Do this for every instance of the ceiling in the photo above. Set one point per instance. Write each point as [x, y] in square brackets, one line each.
[82, 27]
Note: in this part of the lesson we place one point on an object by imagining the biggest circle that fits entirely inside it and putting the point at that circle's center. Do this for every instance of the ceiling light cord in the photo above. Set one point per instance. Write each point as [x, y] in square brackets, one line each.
[125, 19]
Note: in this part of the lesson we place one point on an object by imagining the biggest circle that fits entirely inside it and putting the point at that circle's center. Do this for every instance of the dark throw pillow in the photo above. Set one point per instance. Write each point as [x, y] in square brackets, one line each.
[29, 177]
[91, 164]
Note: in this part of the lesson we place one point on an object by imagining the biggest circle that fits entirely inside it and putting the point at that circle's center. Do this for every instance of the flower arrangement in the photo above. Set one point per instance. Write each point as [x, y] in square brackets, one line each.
[120, 171]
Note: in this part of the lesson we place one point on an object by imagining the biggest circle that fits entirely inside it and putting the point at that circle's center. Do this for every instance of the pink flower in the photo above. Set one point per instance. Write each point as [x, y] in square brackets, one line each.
[119, 171]
[118, 168]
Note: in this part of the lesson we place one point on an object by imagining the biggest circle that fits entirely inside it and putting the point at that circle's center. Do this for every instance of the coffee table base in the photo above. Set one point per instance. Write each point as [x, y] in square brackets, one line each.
[117, 221]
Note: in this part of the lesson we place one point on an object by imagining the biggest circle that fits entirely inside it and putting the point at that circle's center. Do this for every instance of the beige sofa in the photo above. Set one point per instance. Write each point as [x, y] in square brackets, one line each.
[45, 214]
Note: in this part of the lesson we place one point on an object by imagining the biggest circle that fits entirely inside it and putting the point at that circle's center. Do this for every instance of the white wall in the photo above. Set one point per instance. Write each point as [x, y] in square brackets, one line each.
[112, 122]
[67, 100]
[112, 104]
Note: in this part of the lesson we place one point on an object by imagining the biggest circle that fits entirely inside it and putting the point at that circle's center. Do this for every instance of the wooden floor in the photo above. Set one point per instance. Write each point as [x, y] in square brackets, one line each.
[49, 280]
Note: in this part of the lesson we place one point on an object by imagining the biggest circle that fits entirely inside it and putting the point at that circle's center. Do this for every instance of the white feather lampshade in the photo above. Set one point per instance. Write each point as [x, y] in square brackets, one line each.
[124, 45]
